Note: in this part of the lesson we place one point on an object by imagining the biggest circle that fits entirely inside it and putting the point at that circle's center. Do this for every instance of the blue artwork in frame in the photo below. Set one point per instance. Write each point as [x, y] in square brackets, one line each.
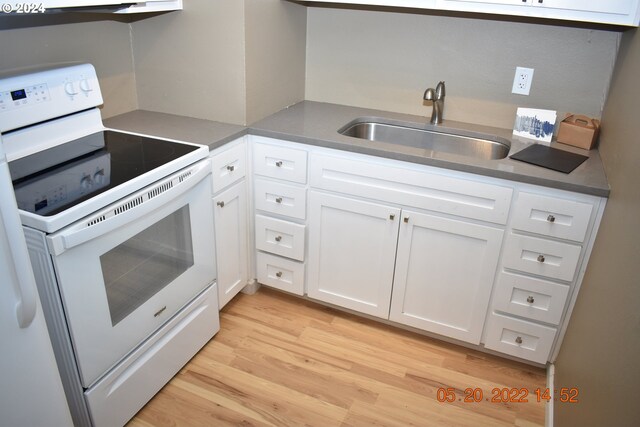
[535, 124]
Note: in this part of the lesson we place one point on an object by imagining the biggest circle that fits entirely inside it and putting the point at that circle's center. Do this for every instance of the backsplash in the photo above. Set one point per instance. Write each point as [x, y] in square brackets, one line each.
[386, 60]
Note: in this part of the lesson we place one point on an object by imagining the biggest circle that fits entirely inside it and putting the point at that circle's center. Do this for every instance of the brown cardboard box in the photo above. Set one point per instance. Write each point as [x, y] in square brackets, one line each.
[579, 131]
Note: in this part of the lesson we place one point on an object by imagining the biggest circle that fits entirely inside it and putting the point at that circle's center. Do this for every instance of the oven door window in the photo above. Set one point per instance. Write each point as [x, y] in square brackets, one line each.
[140, 267]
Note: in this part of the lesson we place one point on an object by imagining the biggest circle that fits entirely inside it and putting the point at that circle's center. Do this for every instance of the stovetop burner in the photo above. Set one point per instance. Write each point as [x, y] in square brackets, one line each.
[51, 181]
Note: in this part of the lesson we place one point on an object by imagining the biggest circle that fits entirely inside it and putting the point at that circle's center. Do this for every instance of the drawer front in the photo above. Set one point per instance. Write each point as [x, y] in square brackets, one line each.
[280, 237]
[280, 273]
[531, 298]
[279, 162]
[551, 216]
[421, 189]
[543, 257]
[519, 338]
[279, 198]
[117, 396]
[229, 166]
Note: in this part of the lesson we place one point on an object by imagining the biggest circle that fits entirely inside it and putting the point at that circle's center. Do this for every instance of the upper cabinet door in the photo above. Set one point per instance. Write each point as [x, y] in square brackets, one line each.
[352, 246]
[444, 275]
[621, 7]
[617, 12]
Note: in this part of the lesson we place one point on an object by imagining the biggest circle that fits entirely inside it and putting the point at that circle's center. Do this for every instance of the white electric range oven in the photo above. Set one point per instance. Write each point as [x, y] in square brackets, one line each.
[120, 234]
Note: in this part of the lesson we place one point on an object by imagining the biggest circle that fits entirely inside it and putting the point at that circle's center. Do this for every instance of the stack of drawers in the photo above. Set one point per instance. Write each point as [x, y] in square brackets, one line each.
[280, 202]
[540, 263]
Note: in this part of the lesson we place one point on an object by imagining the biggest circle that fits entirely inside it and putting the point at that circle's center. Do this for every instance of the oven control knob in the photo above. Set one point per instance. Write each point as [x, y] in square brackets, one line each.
[85, 182]
[70, 88]
[98, 177]
[85, 86]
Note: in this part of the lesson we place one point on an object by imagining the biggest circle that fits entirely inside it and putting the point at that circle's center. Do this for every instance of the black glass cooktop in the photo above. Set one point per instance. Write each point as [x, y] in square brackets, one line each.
[56, 179]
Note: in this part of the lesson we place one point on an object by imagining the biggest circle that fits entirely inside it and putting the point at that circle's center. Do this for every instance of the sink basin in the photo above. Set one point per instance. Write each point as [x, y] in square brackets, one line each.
[431, 138]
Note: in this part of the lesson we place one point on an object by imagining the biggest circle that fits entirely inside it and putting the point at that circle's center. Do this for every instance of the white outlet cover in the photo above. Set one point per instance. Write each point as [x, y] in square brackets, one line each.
[522, 81]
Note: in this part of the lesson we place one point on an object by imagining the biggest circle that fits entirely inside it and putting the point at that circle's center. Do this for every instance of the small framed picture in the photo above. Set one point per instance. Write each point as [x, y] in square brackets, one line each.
[535, 124]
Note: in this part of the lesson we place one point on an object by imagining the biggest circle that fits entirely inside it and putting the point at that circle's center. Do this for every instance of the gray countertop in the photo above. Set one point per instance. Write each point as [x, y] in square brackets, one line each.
[198, 131]
[317, 124]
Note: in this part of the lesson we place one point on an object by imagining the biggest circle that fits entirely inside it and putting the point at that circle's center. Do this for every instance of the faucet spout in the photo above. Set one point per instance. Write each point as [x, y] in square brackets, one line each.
[437, 97]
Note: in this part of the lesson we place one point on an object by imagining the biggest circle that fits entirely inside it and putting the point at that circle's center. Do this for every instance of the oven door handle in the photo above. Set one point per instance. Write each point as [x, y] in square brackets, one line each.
[82, 232]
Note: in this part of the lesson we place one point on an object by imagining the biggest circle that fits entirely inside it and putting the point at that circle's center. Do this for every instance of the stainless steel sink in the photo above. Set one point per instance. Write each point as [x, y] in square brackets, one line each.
[431, 138]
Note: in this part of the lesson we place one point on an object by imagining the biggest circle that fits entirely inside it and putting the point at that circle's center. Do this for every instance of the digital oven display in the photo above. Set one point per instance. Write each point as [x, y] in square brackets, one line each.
[18, 94]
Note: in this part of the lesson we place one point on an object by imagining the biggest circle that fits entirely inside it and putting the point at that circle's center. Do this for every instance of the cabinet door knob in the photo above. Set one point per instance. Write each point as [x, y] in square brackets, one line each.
[551, 218]
[540, 258]
[221, 204]
[519, 340]
[406, 219]
[279, 163]
[230, 168]
[278, 238]
[392, 217]
[278, 199]
[279, 274]
[540, 1]
[530, 299]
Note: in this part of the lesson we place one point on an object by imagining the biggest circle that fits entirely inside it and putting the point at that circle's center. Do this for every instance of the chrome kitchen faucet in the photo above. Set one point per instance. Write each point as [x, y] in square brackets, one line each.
[437, 96]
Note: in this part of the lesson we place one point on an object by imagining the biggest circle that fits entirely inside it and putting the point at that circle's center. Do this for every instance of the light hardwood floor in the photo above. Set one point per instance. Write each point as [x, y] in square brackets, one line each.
[283, 361]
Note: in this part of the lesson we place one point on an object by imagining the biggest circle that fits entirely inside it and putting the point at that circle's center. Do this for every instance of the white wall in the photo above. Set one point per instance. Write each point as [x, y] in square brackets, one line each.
[387, 59]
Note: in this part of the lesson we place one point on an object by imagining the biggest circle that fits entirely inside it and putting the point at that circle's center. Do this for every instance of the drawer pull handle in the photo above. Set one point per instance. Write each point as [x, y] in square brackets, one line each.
[540, 258]
[159, 312]
[551, 218]
[530, 299]
[279, 274]
[278, 238]
[406, 219]
[278, 199]
[279, 163]
[519, 340]
[392, 217]
[230, 168]
[221, 204]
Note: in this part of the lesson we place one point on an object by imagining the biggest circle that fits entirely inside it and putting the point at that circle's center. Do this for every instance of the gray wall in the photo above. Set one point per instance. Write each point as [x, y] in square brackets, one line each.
[32, 40]
[226, 60]
[601, 351]
[233, 61]
[386, 60]
[192, 62]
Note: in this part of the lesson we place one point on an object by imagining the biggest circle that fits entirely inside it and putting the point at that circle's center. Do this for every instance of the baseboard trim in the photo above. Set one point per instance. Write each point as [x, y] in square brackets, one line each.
[548, 412]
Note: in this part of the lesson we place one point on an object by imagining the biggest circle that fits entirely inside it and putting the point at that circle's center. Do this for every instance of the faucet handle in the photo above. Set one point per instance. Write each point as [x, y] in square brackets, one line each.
[440, 92]
[430, 94]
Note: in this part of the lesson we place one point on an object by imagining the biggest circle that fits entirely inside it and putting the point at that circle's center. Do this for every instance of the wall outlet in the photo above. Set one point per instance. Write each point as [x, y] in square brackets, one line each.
[522, 81]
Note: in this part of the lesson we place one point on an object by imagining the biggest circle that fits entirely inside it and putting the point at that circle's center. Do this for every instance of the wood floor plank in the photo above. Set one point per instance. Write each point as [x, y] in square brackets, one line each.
[279, 360]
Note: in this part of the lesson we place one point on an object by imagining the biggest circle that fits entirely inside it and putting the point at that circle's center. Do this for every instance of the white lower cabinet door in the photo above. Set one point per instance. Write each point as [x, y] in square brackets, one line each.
[352, 247]
[230, 219]
[444, 274]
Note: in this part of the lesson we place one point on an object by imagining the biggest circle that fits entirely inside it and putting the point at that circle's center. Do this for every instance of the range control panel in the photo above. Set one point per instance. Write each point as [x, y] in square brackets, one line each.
[32, 96]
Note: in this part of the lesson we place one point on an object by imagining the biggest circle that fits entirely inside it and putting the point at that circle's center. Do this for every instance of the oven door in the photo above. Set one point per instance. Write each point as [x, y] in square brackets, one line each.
[129, 268]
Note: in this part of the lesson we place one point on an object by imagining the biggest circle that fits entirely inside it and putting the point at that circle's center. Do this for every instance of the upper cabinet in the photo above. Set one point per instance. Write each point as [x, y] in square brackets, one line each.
[114, 6]
[616, 12]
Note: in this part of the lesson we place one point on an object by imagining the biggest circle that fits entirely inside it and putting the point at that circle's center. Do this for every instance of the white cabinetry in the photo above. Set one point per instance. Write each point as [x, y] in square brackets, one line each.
[444, 261]
[230, 219]
[477, 259]
[280, 201]
[352, 246]
[544, 258]
[444, 275]
[618, 12]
